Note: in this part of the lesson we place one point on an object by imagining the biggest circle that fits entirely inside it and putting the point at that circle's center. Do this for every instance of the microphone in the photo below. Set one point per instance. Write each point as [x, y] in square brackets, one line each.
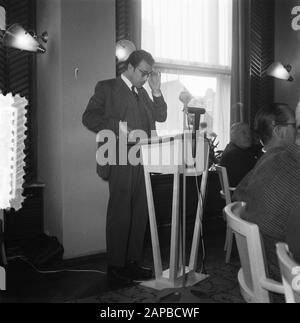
[197, 114]
[185, 97]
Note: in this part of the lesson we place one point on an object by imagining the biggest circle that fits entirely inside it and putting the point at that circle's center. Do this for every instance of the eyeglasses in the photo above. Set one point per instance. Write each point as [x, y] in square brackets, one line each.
[144, 73]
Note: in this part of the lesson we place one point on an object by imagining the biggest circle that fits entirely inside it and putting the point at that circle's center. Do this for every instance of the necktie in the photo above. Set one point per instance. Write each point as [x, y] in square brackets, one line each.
[134, 92]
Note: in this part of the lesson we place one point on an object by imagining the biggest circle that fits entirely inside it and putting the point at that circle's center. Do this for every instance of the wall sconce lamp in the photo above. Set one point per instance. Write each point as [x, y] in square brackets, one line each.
[17, 37]
[280, 71]
[123, 50]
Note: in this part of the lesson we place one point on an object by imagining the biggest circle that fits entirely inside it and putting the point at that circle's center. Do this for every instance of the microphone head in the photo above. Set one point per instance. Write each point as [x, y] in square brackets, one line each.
[185, 97]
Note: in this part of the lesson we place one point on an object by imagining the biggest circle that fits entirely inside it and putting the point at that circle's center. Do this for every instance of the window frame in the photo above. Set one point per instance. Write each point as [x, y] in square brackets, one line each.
[192, 69]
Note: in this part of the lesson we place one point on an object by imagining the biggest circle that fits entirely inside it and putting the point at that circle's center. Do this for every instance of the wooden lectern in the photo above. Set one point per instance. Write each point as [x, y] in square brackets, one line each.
[163, 155]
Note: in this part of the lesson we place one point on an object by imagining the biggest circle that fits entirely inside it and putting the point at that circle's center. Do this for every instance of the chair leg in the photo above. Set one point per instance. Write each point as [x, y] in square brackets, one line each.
[3, 254]
[2, 279]
[226, 240]
[229, 239]
[2, 246]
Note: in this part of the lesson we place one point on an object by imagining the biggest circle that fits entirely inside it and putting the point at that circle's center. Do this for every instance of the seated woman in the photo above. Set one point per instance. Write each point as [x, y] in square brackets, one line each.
[271, 189]
[238, 157]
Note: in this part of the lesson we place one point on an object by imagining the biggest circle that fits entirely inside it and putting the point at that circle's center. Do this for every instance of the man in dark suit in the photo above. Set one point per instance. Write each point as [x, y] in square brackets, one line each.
[115, 102]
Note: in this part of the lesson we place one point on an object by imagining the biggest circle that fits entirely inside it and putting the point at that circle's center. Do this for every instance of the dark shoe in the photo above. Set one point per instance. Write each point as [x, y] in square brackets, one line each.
[117, 276]
[137, 272]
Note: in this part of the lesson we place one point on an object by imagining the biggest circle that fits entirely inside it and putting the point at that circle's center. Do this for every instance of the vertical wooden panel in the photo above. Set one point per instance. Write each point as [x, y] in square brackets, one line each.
[3, 73]
[3, 56]
[122, 27]
[261, 53]
[128, 24]
[20, 78]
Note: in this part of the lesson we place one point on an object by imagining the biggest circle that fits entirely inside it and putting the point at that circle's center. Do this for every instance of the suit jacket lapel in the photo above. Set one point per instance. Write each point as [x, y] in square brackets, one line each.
[125, 99]
[148, 109]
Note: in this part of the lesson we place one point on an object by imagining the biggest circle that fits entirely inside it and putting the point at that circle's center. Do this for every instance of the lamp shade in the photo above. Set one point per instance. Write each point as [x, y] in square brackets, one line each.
[17, 37]
[279, 71]
[123, 49]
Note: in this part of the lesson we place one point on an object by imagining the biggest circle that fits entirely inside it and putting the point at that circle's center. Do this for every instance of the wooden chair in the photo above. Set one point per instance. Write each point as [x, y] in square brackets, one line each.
[2, 246]
[254, 283]
[2, 278]
[225, 193]
[290, 272]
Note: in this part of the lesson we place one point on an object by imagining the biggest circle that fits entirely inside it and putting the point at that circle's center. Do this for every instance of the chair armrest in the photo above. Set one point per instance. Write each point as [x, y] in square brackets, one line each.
[272, 285]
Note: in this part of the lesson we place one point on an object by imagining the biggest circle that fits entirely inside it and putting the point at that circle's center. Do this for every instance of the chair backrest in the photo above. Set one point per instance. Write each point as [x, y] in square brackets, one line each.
[225, 192]
[290, 272]
[251, 254]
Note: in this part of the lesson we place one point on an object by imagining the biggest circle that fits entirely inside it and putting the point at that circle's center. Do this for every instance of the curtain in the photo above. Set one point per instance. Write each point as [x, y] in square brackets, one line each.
[190, 31]
[240, 86]
[221, 114]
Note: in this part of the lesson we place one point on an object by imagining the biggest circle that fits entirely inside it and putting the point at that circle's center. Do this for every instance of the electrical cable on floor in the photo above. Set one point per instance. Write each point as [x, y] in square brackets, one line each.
[63, 270]
[56, 271]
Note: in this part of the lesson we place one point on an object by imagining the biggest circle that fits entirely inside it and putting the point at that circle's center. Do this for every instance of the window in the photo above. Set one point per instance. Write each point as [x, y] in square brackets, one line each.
[191, 42]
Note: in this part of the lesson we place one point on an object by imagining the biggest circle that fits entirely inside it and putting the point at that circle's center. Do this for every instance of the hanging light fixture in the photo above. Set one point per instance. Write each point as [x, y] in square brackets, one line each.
[123, 49]
[280, 71]
[17, 37]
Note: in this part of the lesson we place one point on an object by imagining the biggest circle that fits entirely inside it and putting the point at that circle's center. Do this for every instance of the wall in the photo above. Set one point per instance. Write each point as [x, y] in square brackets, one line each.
[82, 35]
[49, 114]
[287, 51]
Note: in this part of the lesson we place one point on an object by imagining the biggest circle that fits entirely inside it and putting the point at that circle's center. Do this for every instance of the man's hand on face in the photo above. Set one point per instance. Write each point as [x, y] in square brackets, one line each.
[155, 82]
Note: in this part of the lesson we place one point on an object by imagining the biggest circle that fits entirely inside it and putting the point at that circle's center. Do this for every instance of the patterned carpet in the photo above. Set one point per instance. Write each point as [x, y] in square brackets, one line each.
[220, 287]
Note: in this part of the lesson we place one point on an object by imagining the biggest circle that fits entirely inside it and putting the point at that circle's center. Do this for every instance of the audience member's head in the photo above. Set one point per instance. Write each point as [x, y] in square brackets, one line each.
[275, 125]
[240, 135]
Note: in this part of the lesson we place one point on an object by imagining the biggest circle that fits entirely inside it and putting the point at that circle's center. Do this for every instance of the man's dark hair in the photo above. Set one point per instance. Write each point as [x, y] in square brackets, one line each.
[139, 55]
[267, 117]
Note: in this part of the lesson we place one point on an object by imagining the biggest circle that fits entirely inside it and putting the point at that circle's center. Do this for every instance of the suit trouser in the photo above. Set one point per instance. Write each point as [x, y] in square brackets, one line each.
[127, 215]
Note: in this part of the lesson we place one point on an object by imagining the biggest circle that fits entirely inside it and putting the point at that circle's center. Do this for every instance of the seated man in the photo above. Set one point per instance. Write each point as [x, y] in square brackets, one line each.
[238, 156]
[271, 189]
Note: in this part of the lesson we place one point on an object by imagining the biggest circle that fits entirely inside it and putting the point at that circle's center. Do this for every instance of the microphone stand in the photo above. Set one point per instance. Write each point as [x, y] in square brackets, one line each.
[183, 216]
[183, 293]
